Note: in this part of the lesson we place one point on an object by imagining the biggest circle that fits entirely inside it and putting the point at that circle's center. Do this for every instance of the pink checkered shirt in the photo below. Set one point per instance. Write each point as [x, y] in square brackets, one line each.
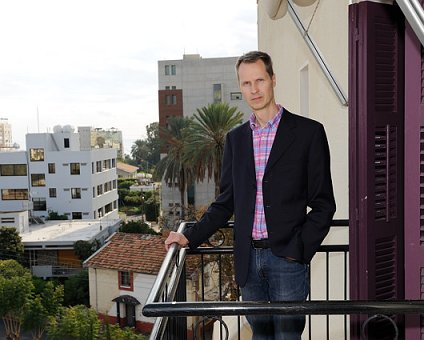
[262, 143]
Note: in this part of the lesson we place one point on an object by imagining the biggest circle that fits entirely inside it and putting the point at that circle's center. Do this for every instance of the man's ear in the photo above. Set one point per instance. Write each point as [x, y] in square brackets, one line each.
[274, 80]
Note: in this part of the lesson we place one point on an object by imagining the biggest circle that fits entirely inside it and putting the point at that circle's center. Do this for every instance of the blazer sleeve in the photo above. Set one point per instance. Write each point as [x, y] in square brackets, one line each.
[320, 195]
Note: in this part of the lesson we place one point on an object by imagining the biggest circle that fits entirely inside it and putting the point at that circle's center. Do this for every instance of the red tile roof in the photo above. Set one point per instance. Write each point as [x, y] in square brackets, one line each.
[126, 167]
[140, 253]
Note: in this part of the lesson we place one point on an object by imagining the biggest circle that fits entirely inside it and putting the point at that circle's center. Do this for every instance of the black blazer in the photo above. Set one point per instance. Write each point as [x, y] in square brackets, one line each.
[297, 176]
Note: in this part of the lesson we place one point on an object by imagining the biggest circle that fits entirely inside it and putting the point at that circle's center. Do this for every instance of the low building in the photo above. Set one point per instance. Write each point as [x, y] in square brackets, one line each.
[126, 170]
[121, 275]
[49, 247]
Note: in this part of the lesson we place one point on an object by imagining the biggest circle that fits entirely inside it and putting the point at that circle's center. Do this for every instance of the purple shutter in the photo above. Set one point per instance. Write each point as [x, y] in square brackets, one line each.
[414, 179]
[376, 145]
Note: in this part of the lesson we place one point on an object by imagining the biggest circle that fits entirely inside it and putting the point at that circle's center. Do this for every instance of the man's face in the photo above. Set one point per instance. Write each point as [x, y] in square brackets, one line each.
[256, 85]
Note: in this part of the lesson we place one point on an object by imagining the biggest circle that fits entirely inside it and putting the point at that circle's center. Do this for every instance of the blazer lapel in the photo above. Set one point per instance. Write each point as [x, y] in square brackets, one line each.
[247, 146]
[283, 139]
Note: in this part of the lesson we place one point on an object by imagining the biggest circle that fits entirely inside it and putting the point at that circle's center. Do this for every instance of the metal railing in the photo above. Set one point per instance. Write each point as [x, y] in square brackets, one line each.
[177, 318]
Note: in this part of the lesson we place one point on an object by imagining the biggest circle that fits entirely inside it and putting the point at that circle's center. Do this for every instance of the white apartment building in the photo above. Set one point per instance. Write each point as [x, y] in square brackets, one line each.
[186, 85]
[61, 173]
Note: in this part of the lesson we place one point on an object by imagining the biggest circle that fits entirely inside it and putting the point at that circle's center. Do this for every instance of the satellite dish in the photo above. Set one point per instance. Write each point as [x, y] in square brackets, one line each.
[275, 9]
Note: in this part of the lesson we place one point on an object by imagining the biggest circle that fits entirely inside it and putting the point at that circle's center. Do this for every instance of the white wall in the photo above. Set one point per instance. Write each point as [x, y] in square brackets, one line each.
[282, 40]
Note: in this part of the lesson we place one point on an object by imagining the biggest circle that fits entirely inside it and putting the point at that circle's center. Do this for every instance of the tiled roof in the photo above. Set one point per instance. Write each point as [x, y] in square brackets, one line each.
[126, 167]
[140, 253]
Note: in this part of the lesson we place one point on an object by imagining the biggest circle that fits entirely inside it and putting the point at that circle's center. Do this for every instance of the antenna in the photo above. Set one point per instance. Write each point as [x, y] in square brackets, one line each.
[38, 121]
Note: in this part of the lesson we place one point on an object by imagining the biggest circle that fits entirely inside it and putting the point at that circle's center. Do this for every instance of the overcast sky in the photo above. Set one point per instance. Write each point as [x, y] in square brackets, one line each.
[94, 62]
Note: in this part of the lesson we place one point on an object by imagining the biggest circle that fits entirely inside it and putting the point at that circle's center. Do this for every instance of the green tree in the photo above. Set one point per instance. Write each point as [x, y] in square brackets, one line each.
[136, 227]
[77, 322]
[77, 290]
[151, 205]
[175, 167]
[44, 306]
[146, 152]
[16, 289]
[11, 246]
[84, 249]
[153, 143]
[82, 323]
[206, 140]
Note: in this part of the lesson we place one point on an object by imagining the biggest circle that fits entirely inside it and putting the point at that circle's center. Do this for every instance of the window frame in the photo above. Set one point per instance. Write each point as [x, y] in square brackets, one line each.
[129, 280]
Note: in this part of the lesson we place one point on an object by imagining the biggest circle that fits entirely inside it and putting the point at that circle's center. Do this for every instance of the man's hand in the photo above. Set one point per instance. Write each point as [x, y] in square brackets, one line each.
[175, 237]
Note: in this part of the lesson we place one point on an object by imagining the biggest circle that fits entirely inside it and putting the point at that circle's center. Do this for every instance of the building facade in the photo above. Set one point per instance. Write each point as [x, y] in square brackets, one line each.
[60, 173]
[186, 85]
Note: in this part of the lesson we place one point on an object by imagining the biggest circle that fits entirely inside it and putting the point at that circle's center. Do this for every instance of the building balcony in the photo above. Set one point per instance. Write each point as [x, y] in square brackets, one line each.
[49, 271]
[195, 297]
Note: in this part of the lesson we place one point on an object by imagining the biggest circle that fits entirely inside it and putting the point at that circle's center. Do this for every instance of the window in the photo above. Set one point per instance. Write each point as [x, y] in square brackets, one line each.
[171, 99]
[170, 70]
[39, 204]
[217, 93]
[94, 192]
[99, 166]
[75, 168]
[66, 143]
[14, 194]
[36, 155]
[52, 168]
[77, 215]
[236, 96]
[13, 170]
[125, 280]
[99, 190]
[76, 193]
[108, 208]
[113, 163]
[52, 192]
[38, 180]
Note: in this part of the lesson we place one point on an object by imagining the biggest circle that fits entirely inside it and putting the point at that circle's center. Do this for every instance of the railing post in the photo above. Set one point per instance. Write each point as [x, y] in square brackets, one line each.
[177, 326]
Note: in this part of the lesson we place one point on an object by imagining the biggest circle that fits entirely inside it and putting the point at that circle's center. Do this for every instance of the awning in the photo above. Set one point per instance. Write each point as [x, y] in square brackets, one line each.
[127, 299]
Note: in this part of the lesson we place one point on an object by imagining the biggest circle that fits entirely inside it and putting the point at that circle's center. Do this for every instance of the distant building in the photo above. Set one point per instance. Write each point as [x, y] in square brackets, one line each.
[126, 170]
[61, 173]
[185, 86]
[6, 142]
[108, 138]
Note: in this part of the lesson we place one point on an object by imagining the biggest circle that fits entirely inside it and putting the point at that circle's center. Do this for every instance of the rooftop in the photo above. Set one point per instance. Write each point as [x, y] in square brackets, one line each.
[141, 253]
[65, 233]
[126, 167]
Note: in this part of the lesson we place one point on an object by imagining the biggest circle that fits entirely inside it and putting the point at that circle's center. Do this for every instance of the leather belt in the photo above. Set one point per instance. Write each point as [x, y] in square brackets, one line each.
[261, 244]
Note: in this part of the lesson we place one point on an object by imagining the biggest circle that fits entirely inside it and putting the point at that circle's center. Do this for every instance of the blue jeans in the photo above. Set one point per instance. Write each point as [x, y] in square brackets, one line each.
[273, 278]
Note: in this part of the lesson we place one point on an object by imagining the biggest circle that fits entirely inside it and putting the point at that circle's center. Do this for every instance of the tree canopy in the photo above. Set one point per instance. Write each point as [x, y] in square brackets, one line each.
[11, 246]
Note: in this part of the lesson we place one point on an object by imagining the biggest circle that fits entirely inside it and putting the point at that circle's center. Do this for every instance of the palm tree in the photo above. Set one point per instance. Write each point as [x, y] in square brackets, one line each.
[206, 140]
[174, 168]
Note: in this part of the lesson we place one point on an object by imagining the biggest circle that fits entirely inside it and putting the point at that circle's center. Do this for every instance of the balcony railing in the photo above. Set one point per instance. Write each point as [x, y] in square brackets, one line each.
[182, 316]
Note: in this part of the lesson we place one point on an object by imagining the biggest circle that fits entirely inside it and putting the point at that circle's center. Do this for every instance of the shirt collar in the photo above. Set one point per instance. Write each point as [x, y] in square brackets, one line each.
[274, 121]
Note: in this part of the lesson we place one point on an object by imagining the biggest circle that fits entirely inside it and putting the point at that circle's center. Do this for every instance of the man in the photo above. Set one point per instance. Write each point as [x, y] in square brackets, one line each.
[275, 166]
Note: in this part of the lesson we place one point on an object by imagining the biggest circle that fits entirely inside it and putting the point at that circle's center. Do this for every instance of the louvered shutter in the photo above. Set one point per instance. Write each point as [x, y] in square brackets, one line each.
[414, 179]
[376, 156]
